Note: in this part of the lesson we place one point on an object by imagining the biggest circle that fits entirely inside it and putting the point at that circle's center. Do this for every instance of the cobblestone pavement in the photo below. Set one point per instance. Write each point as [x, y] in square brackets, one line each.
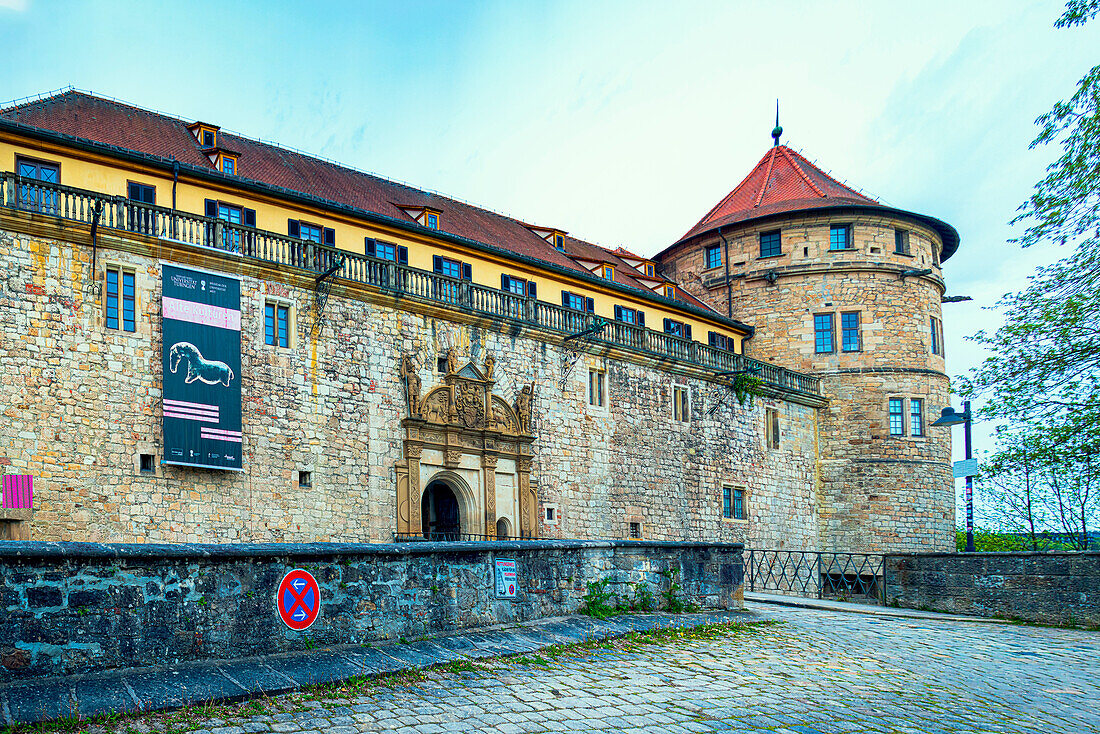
[817, 672]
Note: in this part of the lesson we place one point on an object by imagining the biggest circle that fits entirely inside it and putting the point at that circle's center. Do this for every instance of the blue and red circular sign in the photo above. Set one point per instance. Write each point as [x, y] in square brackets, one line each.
[298, 599]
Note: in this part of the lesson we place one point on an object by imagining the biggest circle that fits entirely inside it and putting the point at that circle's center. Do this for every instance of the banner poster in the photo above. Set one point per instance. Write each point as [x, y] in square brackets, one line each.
[201, 327]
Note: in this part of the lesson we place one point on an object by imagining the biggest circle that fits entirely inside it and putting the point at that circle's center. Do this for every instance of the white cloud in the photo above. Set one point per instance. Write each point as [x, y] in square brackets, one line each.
[16, 5]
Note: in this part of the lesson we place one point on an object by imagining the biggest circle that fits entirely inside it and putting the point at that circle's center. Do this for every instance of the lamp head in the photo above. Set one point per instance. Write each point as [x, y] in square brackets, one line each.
[948, 417]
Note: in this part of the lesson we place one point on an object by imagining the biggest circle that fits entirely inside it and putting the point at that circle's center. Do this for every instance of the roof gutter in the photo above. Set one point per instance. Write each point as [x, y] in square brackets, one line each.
[369, 216]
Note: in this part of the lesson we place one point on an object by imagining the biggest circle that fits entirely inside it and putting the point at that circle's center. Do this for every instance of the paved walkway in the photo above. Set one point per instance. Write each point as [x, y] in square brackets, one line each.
[819, 671]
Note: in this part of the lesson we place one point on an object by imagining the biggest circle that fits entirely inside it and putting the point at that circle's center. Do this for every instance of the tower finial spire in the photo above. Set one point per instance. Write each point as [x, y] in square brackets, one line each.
[776, 131]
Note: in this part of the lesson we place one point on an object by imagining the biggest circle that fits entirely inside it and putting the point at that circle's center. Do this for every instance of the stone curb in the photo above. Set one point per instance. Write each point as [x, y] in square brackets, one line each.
[153, 689]
[870, 609]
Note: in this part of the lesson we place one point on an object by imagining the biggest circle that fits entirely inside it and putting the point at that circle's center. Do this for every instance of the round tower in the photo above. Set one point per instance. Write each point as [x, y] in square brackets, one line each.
[843, 287]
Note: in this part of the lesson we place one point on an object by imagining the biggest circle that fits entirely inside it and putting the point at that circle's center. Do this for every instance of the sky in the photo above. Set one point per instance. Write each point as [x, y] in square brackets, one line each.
[622, 123]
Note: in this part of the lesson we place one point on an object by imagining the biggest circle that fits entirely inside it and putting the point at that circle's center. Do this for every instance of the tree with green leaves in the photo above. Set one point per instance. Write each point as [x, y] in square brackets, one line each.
[1011, 480]
[1045, 359]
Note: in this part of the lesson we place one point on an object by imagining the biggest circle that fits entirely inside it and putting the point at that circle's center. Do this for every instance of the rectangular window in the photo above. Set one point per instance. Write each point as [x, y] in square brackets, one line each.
[824, 341]
[727, 502]
[721, 341]
[840, 237]
[209, 139]
[433, 220]
[635, 530]
[849, 332]
[510, 284]
[120, 299]
[277, 324]
[138, 218]
[649, 270]
[714, 256]
[936, 327]
[901, 241]
[771, 427]
[451, 268]
[35, 197]
[577, 301]
[559, 242]
[629, 315]
[305, 479]
[386, 251]
[608, 272]
[916, 417]
[770, 244]
[678, 328]
[141, 193]
[738, 504]
[311, 233]
[229, 165]
[897, 417]
[681, 408]
[597, 388]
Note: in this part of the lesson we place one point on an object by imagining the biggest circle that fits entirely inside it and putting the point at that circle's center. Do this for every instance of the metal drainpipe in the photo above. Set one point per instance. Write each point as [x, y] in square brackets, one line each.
[726, 258]
[175, 180]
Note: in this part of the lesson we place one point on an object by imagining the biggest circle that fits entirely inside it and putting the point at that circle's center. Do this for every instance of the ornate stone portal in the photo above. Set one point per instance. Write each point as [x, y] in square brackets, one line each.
[462, 435]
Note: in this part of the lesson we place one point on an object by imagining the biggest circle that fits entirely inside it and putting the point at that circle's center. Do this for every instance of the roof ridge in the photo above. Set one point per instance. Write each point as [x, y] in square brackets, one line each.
[26, 101]
[767, 177]
[802, 173]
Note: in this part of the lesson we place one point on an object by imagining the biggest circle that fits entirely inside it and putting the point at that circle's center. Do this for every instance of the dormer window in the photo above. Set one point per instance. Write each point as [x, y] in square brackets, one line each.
[229, 165]
[559, 242]
[670, 291]
[608, 272]
[649, 269]
[432, 221]
[205, 133]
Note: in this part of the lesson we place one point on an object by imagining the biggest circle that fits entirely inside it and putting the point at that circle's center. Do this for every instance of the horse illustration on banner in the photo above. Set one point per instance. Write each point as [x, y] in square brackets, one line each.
[209, 371]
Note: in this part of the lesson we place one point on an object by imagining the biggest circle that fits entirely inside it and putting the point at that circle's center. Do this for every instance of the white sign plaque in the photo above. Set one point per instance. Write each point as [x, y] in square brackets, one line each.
[965, 468]
[506, 578]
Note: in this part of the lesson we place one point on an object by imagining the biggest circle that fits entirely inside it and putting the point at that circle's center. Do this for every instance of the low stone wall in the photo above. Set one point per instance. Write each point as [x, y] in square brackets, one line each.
[75, 607]
[1052, 588]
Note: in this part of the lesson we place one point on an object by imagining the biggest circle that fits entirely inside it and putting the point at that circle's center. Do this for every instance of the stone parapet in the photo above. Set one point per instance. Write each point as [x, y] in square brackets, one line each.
[76, 607]
[1051, 588]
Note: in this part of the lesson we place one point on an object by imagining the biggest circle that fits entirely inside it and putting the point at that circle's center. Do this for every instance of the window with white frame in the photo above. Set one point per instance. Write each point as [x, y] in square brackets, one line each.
[681, 405]
[597, 388]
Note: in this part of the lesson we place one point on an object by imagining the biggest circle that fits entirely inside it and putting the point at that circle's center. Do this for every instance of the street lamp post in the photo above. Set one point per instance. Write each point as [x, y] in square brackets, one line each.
[948, 417]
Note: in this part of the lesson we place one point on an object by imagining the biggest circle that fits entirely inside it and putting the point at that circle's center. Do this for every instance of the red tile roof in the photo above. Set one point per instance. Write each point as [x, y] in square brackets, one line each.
[784, 182]
[114, 123]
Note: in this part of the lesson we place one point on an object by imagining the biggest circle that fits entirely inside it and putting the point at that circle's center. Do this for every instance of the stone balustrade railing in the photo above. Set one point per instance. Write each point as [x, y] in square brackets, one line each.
[119, 213]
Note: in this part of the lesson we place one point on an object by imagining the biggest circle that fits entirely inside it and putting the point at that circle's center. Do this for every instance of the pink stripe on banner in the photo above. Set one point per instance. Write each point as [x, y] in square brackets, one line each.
[201, 313]
[18, 492]
[192, 411]
[220, 435]
[185, 404]
[190, 417]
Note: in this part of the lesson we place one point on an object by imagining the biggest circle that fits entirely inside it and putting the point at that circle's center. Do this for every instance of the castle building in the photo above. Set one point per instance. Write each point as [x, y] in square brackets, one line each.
[211, 338]
[844, 288]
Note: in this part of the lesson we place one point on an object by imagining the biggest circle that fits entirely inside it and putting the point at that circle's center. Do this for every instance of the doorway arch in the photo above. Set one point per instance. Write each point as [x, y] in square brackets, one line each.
[439, 514]
[504, 529]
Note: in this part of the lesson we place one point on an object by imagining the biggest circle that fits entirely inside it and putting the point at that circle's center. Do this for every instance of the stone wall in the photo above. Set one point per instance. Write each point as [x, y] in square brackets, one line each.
[1052, 588]
[82, 402]
[878, 492]
[76, 607]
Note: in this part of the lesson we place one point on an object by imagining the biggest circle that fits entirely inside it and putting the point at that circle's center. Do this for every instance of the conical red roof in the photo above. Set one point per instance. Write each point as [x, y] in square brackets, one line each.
[783, 182]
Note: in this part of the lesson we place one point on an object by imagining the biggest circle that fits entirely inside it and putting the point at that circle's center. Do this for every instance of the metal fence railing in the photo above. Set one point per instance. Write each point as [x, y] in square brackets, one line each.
[236, 240]
[833, 575]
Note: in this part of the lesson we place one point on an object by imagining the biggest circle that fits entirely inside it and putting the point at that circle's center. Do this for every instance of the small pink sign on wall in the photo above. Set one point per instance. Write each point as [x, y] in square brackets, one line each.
[18, 492]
